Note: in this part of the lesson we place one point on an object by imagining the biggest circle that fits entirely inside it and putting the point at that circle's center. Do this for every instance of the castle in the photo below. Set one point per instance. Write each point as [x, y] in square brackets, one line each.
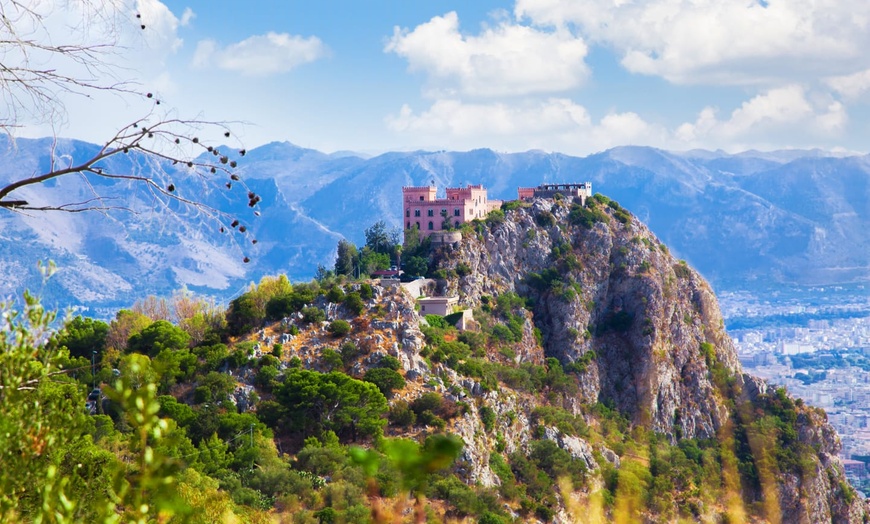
[430, 214]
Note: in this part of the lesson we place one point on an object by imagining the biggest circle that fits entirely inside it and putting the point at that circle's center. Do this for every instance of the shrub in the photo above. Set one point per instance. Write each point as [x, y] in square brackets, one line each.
[313, 314]
[390, 362]
[488, 417]
[584, 217]
[335, 295]
[510, 205]
[437, 321]
[427, 418]
[354, 302]
[366, 292]
[338, 328]
[385, 379]
[401, 414]
[682, 270]
[332, 359]
[495, 217]
[545, 219]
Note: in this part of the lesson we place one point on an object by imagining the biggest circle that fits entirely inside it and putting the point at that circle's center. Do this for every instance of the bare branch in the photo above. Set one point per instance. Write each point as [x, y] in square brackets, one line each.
[162, 154]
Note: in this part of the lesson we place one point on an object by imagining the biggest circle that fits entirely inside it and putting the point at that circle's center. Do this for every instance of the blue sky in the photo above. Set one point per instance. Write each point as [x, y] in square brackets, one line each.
[558, 75]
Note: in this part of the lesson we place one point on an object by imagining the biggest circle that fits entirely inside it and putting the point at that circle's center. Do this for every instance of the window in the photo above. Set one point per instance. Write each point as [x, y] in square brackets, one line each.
[421, 199]
[407, 213]
[456, 224]
[431, 213]
[416, 212]
[456, 212]
[431, 226]
[408, 225]
[418, 225]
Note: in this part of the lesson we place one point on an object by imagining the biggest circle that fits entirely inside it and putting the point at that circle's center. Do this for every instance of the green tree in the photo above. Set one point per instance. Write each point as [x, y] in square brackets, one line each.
[52, 470]
[158, 336]
[371, 261]
[339, 328]
[387, 380]
[316, 402]
[243, 315]
[416, 266]
[220, 385]
[346, 258]
[380, 240]
[81, 336]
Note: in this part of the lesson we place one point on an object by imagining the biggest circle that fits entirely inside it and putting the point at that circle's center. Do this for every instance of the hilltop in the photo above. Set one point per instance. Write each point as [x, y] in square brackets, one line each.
[597, 380]
[743, 220]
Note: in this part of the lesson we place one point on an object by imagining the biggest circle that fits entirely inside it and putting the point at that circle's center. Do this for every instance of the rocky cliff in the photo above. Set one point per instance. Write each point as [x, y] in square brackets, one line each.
[644, 337]
[597, 383]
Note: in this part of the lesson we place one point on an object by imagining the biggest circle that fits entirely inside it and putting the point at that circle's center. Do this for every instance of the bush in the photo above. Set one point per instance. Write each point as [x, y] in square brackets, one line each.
[495, 217]
[427, 418]
[335, 295]
[401, 414]
[385, 379]
[487, 416]
[545, 219]
[390, 362]
[338, 328]
[332, 359]
[581, 216]
[313, 314]
[437, 321]
[354, 302]
[366, 292]
[682, 270]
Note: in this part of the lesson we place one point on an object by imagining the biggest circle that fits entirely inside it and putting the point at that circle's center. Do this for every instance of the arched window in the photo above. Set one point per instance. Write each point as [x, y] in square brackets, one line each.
[418, 225]
[408, 225]
[456, 224]
[431, 226]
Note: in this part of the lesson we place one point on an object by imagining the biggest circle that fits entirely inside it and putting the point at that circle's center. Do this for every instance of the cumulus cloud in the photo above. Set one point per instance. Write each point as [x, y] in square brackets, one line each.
[555, 124]
[260, 55]
[719, 41]
[505, 59]
[775, 111]
[782, 117]
[851, 86]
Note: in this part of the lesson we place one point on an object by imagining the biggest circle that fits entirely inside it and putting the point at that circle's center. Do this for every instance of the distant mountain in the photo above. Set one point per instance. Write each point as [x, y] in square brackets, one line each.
[754, 217]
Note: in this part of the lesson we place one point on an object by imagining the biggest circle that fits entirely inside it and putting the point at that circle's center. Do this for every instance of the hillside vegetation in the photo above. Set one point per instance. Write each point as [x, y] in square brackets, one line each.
[598, 385]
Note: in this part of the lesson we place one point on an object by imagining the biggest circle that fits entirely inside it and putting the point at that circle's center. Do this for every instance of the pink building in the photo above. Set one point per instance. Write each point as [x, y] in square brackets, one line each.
[430, 214]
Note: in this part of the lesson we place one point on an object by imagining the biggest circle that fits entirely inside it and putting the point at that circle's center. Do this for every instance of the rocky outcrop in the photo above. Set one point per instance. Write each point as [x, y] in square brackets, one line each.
[614, 290]
[645, 333]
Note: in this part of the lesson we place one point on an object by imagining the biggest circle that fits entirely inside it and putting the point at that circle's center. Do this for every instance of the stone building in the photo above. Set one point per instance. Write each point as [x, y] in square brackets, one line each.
[582, 190]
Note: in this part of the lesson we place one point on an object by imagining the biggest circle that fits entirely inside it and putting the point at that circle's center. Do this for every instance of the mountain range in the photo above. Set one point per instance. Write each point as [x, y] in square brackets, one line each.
[743, 220]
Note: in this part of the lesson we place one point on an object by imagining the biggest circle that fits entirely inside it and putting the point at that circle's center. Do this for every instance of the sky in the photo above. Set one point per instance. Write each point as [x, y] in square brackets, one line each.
[571, 76]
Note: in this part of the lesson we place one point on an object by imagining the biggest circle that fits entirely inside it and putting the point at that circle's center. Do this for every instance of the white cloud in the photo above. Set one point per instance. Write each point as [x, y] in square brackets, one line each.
[782, 117]
[160, 36]
[507, 59]
[719, 41]
[186, 17]
[555, 124]
[785, 112]
[851, 86]
[261, 55]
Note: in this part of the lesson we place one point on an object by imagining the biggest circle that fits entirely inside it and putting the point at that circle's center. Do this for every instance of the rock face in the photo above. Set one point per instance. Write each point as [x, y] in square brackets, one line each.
[645, 333]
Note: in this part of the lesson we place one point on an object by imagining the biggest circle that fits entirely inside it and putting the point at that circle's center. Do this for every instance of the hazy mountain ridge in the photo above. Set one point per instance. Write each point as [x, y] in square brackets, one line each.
[794, 216]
